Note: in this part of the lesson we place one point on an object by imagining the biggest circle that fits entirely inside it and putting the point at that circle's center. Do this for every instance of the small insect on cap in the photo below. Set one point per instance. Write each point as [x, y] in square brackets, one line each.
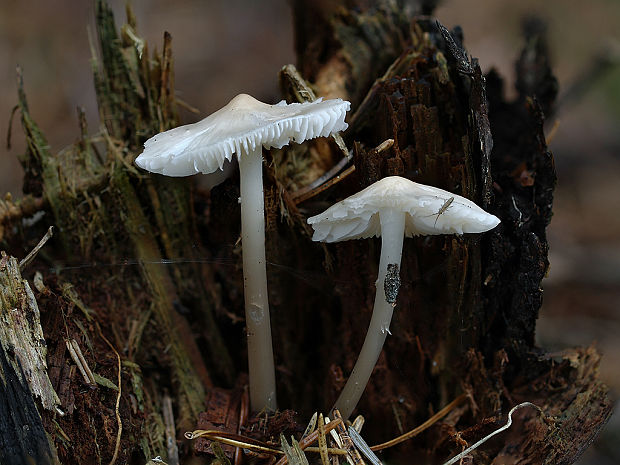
[428, 210]
[240, 127]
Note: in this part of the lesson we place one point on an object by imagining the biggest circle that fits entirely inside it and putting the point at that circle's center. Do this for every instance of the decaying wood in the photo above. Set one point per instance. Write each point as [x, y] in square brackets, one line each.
[463, 300]
[147, 269]
[21, 333]
[24, 381]
[342, 46]
[11, 211]
[102, 210]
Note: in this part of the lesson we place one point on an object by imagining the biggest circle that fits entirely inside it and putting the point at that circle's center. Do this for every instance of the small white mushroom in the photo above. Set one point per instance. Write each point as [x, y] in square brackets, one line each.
[392, 208]
[244, 127]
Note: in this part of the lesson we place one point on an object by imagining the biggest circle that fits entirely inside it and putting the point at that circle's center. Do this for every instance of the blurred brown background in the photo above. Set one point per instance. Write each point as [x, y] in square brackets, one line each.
[222, 48]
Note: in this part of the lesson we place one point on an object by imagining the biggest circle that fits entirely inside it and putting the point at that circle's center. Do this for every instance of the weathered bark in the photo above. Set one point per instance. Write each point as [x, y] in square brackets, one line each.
[141, 267]
[23, 372]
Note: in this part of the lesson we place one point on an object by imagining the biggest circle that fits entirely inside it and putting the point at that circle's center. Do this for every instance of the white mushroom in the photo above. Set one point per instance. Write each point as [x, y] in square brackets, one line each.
[392, 208]
[244, 127]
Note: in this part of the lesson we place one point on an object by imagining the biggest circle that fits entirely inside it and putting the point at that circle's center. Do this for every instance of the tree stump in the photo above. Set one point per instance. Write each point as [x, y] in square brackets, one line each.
[142, 289]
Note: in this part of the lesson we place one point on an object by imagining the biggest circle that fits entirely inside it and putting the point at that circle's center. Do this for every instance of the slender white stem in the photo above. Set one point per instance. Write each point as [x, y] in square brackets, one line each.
[260, 352]
[392, 232]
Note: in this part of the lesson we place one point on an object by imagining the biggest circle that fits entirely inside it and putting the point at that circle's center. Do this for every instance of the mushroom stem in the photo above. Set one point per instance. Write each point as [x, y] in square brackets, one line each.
[260, 353]
[392, 233]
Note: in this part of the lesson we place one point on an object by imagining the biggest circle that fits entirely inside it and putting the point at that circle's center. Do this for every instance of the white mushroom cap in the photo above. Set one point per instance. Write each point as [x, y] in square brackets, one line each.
[429, 210]
[242, 125]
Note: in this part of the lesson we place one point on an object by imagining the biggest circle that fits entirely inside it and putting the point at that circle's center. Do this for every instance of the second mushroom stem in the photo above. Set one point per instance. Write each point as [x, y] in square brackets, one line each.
[392, 232]
[260, 352]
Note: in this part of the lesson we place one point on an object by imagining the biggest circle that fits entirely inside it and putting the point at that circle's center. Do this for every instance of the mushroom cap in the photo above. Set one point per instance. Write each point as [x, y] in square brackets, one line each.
[357, 216]
[242, 125]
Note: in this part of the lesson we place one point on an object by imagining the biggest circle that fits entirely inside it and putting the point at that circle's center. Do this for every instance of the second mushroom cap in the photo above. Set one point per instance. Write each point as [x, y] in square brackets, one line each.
[429, 210]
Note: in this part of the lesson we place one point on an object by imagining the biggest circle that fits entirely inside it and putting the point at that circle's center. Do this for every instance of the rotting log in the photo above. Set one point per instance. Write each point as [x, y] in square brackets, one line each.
[143, 268]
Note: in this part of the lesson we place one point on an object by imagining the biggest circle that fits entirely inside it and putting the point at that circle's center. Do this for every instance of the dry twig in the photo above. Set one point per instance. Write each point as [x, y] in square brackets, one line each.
[458, 457]
[118, 397]
[33, 253]
[417, 430]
